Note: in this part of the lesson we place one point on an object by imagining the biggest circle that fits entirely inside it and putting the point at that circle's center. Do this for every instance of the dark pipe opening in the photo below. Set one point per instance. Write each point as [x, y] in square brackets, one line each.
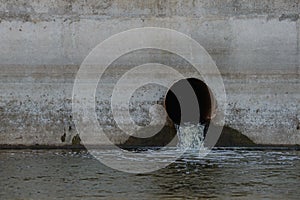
[206, 102]
[183, 88]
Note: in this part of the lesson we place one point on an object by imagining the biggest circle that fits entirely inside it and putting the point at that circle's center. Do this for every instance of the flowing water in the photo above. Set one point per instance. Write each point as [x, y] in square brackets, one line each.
[222, 174]
[190, 136]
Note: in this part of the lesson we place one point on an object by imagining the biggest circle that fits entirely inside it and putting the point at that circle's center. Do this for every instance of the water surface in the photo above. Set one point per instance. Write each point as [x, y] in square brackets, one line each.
[66, 174]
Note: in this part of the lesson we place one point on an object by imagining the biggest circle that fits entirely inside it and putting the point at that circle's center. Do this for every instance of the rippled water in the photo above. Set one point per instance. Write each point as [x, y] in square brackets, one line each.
[63, 174]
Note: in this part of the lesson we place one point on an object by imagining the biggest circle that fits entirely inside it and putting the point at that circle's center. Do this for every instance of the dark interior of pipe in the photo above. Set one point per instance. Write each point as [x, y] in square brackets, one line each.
[182, 89]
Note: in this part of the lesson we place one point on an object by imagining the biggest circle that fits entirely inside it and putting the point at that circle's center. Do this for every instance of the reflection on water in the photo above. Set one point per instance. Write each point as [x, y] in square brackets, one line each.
[49, 174]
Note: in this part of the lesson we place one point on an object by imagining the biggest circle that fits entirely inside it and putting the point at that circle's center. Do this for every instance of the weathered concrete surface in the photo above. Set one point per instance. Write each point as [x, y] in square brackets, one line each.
[255, 44]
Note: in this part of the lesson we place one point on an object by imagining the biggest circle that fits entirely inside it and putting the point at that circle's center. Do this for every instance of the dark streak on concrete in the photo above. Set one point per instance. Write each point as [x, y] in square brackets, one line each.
[292, 17]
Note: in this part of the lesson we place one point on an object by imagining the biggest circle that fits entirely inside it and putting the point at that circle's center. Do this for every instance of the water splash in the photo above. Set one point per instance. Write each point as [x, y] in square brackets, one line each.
[190, 136]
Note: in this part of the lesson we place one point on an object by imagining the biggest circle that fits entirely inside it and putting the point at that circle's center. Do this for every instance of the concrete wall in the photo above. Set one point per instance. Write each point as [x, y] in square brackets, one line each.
[255, 44]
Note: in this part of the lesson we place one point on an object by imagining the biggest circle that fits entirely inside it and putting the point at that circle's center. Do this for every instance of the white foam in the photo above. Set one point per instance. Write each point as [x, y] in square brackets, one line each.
[190, 136]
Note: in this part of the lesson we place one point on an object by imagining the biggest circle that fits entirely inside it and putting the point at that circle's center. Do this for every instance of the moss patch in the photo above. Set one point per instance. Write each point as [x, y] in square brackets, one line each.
[160, 139]
[231, 137]
[76, 140]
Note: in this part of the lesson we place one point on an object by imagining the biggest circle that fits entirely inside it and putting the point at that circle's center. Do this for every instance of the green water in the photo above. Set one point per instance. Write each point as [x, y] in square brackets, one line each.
[223, 174]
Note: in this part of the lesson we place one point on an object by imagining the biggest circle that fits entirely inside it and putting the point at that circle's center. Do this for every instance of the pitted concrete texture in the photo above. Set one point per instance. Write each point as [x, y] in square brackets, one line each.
[255, 45]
